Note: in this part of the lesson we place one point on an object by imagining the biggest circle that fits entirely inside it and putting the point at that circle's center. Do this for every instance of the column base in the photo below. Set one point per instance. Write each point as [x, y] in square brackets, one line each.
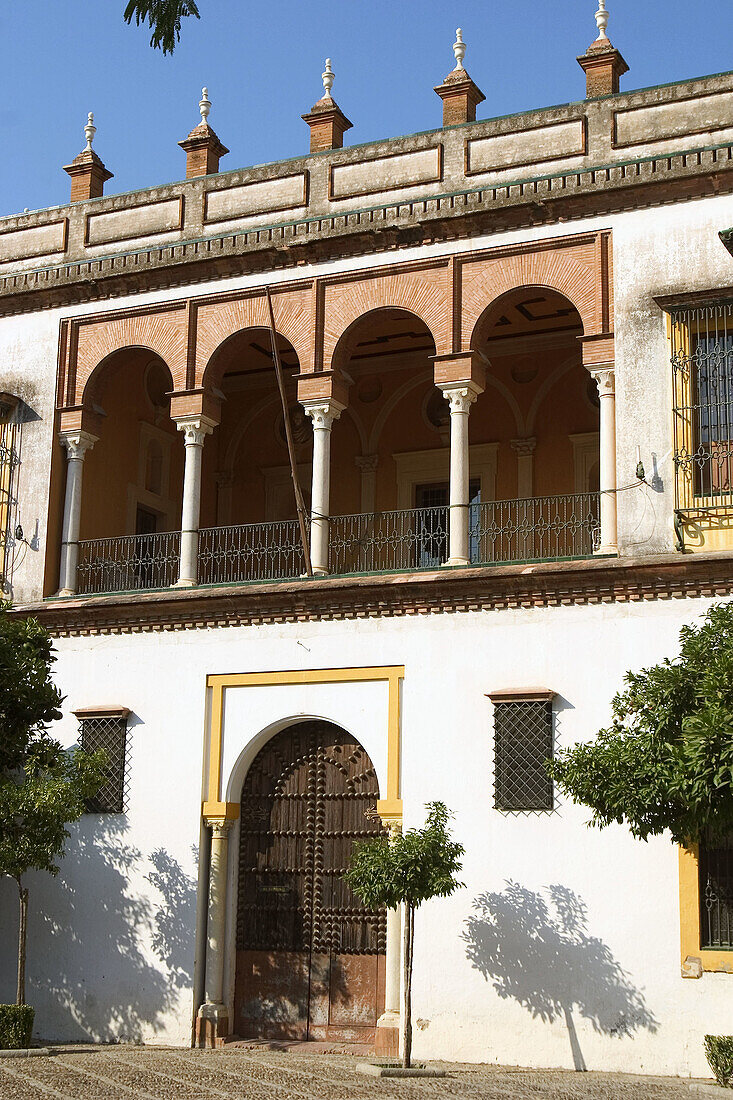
[319, 571]
[387, 1035]
[607, 550]
[66, 592]
[185, 583]
[457, 561]
[212, 1026]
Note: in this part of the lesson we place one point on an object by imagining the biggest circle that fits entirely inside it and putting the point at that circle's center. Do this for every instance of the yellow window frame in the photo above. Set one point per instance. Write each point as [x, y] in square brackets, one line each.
[711, 959]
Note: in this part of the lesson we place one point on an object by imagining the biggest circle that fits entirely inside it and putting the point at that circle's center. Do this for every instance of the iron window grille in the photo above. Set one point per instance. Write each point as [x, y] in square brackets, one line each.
[523, 742]
[715, 868]
[702, 366]
[106, 729]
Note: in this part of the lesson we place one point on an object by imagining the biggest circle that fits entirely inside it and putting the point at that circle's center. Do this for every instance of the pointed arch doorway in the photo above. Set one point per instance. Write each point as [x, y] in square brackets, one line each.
[310, 957]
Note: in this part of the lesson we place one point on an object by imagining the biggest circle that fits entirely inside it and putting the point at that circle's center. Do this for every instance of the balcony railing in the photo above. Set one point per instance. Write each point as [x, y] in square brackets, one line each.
[535, 528]
[128, 562]
[251, 552]
[414, 538]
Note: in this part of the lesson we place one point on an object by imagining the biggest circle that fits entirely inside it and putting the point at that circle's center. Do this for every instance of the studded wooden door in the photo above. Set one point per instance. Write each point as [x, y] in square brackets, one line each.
[310, 957]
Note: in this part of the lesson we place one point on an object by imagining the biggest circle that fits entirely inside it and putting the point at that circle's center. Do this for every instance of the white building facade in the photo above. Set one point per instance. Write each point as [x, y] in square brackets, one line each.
[507, 358]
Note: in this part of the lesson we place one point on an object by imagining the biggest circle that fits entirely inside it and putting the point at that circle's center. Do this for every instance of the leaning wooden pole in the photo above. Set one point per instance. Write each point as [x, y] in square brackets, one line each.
[299, 504]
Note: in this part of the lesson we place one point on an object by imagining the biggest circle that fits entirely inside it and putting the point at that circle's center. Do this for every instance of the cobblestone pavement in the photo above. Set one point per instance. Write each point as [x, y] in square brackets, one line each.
[129, 1073]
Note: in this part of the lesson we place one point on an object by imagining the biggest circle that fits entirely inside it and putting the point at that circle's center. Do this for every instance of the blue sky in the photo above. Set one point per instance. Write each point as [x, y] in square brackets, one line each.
[262, 65]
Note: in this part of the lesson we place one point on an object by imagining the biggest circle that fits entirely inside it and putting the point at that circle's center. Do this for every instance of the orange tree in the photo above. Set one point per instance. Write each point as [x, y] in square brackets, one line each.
[407, 870]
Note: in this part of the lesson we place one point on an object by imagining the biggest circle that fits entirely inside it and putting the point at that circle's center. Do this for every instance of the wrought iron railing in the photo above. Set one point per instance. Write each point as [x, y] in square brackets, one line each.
[128, 562]
[414, 538]
[250, 552]
[535, 528]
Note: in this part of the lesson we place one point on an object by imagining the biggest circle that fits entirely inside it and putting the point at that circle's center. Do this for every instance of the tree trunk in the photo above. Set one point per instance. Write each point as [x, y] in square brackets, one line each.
[408, 939]
[22, 932]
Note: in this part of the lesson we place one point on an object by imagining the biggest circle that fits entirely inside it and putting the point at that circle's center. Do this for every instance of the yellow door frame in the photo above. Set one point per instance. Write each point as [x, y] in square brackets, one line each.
[215, 809]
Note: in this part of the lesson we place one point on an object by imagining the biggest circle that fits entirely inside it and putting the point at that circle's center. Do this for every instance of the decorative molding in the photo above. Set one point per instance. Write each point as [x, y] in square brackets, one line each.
[593, 190]
[460, 397]
[498, 587]
[195, 429]
[77, 443]
[606, 379]
[323, 413]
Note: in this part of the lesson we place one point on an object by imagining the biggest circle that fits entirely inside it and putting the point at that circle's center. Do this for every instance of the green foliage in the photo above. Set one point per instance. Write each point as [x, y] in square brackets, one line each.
[16, 1026]
[719, 1053]
[28, 698]
[38, 801]
[666, 761]
[164, 19]
[411, 868]
[42, 786]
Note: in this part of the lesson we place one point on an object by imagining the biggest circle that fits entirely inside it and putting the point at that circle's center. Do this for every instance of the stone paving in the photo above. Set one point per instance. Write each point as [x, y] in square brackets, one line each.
[150, 1073]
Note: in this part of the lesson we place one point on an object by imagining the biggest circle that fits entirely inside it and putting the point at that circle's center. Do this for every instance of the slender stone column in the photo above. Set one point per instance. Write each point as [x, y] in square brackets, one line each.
[213, 1022]
[460, 397]
[605, 376]
[525, 465]
[368, 466]
[77, 443]
[387, 1039]
[323, 414]
[194, 429]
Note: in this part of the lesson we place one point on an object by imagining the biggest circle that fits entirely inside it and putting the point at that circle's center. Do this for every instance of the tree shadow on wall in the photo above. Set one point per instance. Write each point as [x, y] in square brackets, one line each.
[111, 960]
[535, 948]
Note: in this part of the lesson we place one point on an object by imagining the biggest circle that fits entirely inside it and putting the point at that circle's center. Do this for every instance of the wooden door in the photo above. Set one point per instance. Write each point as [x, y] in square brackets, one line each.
[310, 957]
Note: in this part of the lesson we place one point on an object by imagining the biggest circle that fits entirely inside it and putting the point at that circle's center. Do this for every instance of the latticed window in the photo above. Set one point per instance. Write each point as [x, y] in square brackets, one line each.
[9, 430]
[702, 362]
[523, 742]
[716, 893]
[106, 729]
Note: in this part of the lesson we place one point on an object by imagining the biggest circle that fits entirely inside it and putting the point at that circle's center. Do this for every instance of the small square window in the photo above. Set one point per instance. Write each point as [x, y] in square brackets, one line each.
[107, 729]
[523, 742]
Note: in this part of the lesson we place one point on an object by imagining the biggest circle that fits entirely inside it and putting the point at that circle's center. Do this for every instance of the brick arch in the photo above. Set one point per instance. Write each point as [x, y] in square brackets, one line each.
[217, 321]
[162, 334]
[424, 294]
[88, 398]
[552, 270]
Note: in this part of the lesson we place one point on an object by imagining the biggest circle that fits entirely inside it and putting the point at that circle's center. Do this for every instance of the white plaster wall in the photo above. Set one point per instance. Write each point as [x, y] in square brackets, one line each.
[112, 939]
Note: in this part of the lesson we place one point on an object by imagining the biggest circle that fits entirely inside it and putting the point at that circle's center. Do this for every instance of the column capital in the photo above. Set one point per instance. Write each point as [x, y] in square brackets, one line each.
[524, 446]
[368, 463]
[77, 443]
[460, 396]
[605, 375]
[220, 826]
[323, 413]
[195, 429]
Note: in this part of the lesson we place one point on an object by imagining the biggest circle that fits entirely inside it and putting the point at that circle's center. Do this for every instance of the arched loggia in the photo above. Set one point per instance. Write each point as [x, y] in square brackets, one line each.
[121, 533]
[548, 445]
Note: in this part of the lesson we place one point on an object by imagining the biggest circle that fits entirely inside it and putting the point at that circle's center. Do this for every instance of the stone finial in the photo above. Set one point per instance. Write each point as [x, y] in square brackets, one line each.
[602, 20]
[459, 49]
[89, 131]
[202, 146]
[459, 93]
[328, 76]
[204, 104]
[326, 119]
[88, 173]
[603, 65]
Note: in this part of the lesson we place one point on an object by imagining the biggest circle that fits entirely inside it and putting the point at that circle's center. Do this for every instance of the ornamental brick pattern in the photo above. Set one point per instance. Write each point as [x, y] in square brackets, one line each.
[453, 296]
